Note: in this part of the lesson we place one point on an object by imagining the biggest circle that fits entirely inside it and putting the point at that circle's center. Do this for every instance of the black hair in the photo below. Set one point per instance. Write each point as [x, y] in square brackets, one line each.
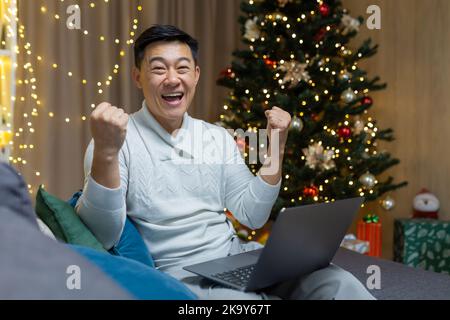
[162, 33]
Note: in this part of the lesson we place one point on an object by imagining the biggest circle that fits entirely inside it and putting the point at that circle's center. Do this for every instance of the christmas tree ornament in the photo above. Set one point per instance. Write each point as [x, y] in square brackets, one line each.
[246, 103]
[426, 205]
[345, 76]
[270, 63]
[320, 35]
[324, 10]
[348, 96]
[368, 180]
[344, 132]
[317, 116]
[388, 203]
[297, 124]
[227, 73]
[358, 126]
[295, 72]
[321, 62]
[350, 24]
[252, 31]
[318, 158]
[282, 3]
[311, 191]
[367, 101]
[242, 233]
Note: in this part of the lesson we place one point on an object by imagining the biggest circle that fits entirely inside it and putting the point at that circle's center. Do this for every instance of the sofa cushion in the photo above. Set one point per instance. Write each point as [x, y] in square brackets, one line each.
[14, 194]
[32, 266]
[141, 281]
[63, 221]
[45, 229]
[130, 244]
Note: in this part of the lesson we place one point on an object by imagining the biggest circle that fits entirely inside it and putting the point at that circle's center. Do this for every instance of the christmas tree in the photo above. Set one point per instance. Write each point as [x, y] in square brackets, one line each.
[298, 57]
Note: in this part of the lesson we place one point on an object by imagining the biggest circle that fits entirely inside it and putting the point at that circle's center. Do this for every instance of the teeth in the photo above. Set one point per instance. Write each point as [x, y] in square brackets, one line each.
[173, 95]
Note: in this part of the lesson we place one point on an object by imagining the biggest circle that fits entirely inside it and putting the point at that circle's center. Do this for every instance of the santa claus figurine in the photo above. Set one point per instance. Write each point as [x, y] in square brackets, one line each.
[426, 205]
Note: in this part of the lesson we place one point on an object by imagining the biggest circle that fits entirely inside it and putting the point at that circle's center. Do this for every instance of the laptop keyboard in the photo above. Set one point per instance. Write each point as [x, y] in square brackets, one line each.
[239, 276]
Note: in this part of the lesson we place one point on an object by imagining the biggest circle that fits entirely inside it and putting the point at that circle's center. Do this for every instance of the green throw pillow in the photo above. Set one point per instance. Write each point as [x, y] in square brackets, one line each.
[63, 221]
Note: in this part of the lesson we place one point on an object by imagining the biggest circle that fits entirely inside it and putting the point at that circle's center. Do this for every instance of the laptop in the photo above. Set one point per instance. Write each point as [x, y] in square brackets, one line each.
[303, 239]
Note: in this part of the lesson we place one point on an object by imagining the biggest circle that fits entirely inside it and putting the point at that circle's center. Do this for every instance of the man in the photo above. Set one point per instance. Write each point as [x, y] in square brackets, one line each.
[136, 165]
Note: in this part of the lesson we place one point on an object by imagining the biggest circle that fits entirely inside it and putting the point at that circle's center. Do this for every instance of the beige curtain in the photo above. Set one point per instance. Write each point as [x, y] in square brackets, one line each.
[56, 159]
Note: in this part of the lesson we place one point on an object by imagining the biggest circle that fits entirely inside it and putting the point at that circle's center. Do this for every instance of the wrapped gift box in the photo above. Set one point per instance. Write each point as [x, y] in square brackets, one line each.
[371, 232]
[350, 242]
[423, 243]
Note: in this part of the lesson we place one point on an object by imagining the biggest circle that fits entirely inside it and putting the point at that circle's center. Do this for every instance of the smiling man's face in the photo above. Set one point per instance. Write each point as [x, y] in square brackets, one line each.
[168, 77]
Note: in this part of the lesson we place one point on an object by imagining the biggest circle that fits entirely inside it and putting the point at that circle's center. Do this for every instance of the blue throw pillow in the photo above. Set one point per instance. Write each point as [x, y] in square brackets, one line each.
[73, 201]
[131, 245]
[142, 282]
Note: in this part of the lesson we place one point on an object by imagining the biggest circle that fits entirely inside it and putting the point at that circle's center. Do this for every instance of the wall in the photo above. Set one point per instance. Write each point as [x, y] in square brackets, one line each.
[414, 60]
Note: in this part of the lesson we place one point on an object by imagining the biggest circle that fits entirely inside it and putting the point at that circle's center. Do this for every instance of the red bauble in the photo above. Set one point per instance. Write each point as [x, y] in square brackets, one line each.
[226, 72]
[324, 10]
[367, 101]
[320, 35]
[345, 132]
[315, 117]
[270, 63]
[311, 191]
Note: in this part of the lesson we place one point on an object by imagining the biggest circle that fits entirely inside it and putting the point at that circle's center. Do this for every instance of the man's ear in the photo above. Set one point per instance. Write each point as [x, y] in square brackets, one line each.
[197, 74]
[136, 75]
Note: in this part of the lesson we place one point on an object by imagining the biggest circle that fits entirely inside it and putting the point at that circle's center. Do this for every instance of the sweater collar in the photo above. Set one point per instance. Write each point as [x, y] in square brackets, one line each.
[145, 117]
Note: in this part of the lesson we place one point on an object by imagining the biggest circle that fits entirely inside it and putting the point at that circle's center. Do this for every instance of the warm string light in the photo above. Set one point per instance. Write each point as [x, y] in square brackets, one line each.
[32, 82]
[8, 10]
[29, 82]
[108, 80]
[122, 53]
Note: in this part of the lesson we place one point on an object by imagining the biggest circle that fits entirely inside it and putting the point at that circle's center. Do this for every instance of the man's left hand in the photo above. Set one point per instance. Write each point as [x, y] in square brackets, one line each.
[280, 120]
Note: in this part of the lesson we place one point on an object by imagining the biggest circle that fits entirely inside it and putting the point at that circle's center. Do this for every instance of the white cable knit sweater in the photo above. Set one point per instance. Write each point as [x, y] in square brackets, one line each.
[175, 190]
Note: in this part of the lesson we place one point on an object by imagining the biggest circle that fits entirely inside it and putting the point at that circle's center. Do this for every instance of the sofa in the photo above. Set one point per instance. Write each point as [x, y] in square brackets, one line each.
[36, 266]
[398, 281]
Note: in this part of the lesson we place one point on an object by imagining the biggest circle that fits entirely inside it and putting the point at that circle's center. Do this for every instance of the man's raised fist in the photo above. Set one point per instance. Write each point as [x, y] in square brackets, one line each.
[109, 128]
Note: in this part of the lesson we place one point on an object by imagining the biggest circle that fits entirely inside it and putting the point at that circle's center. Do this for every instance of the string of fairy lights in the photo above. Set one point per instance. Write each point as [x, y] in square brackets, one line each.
[8, 11]
[256, 37]
[31, 82]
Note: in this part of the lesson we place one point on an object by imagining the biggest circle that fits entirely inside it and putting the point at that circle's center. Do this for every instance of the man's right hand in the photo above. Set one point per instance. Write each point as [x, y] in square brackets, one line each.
[108, 128]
